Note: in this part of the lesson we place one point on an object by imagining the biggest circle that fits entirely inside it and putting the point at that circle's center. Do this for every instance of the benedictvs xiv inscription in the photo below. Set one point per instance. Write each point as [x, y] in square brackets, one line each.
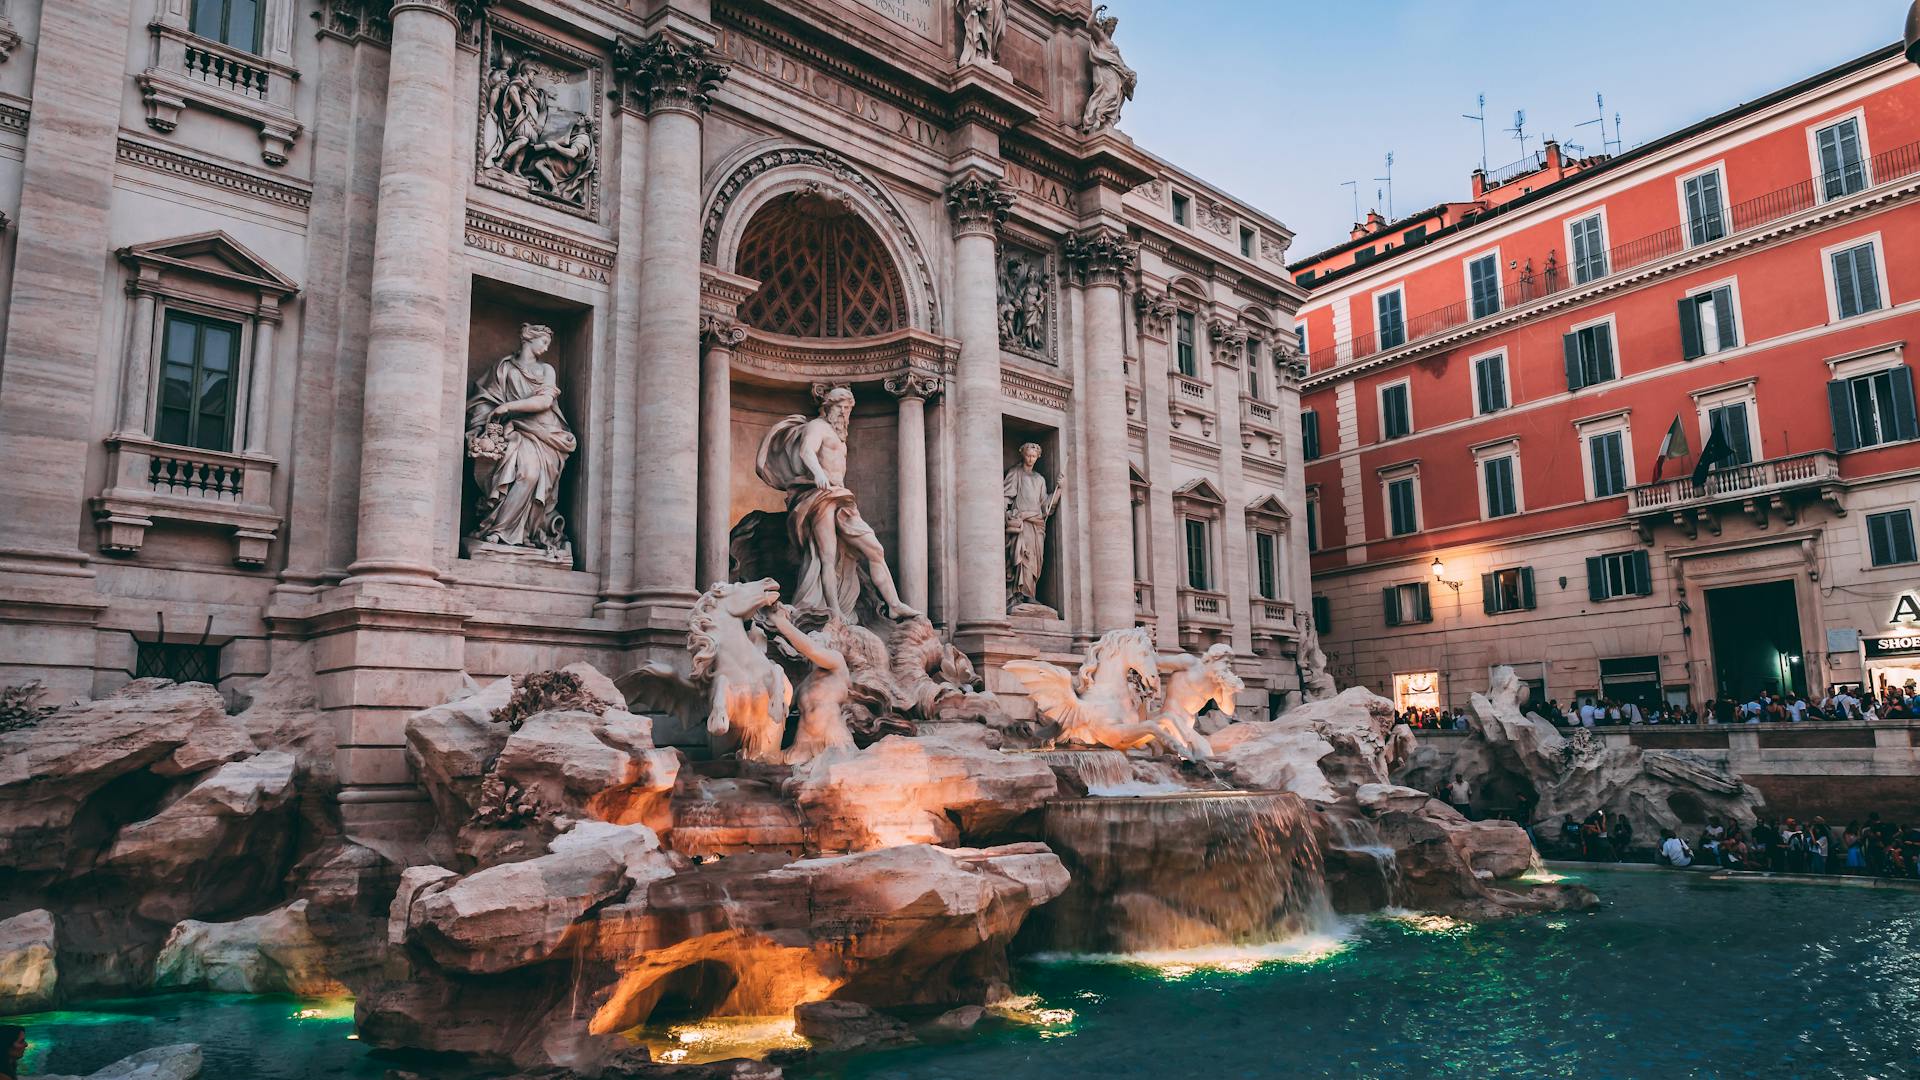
[818, 86]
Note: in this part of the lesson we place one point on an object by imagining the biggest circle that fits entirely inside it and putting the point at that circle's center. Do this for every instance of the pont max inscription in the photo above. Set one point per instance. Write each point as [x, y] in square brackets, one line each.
[817, 86]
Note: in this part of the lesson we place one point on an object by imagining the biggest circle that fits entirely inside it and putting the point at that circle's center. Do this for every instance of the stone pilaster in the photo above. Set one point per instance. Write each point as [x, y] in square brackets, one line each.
[1229, 342]
[671, 78]
[979, 205]
[913, 389]
[1101, 257]
[716, 445]
[1157, 310]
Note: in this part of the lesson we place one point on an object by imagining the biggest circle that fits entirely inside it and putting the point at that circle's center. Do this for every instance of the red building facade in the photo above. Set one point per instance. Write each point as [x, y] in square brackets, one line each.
[1487, 404]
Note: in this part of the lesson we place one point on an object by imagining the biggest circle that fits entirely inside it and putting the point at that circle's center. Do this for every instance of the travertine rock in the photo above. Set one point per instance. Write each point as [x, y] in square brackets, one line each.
[72, 759]
[29, 968]
[178, 1062]
[1359, 725]
[1447, 864]
[1275, 755]
[916, 791]
[843, 1026]
[274, 953]
[218, 846]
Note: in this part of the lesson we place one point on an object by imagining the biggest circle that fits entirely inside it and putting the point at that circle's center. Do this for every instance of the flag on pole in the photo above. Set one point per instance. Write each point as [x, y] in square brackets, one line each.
[1716, 450]
[1674, 445]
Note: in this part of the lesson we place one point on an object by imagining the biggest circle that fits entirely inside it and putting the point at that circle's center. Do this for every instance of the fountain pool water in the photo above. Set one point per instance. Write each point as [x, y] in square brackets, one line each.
[1676, 975]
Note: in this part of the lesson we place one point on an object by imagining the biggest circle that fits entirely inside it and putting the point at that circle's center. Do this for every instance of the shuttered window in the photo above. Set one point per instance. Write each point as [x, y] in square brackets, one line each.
[1322, 615]
[1507, 590]
[1706, 213]
[1871, 409]
[1622, 573]
[1199, 568]
[1391, 312]
[1183, 350]
[1309, 435]
[1396, 412]
[1266, 555]
[1589, 355]
[1856, 285]
[1589, 250]
[1607, 459]
[1490, 383]
[1707, 323]
[1483, 281]
[1496, 477]
[1843, 168]
[1409, 603]
[1403, 516]
[1732, 422]
[1890, 538]
[1313, 524]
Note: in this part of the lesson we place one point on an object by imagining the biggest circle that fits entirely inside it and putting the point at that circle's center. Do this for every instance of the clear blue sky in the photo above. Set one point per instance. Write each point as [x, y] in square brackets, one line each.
[1278, 101]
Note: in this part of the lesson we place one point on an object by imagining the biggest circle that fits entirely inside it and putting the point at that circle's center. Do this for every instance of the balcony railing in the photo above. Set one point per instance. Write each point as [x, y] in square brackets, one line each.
[1272, 616]
[1531, 283]
[1771, 476]
[1203, 607]
[185, 70]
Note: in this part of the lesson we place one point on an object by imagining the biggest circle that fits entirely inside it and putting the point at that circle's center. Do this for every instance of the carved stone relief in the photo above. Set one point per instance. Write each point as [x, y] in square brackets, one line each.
[1026, 290]
[540, 132]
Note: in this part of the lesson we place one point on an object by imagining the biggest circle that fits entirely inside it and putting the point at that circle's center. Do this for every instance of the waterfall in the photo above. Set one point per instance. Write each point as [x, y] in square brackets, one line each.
[1181, 871]
[1369, 863]
[1108, 773]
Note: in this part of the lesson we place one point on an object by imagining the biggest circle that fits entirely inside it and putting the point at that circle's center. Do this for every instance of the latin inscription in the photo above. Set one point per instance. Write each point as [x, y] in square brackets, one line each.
[818, 86]
[1046, 189]
[915, 15]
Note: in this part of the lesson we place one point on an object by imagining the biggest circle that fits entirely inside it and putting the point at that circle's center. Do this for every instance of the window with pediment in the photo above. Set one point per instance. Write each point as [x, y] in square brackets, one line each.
[823, 271]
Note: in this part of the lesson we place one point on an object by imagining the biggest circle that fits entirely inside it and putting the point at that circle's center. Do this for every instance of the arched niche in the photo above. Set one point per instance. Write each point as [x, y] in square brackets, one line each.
[761, 175]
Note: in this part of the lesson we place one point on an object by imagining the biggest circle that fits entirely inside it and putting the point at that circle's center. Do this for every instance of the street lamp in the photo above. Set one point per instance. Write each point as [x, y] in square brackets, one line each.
[1440, 569]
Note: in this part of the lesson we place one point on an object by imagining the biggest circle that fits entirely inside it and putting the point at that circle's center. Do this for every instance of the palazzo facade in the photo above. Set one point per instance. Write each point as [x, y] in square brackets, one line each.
[259, 254]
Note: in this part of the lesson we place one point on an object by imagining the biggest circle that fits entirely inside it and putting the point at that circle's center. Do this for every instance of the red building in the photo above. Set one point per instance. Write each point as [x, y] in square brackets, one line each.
[1491, 383]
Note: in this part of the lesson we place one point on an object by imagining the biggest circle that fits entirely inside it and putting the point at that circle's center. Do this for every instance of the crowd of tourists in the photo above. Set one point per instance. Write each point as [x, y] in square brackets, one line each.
[1762, 707]
[1872, 847]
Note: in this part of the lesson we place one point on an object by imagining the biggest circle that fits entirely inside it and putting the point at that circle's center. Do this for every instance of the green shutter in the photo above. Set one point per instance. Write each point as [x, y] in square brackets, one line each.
[1596, 578]
[1723, 314]
[1690, 346]
[1642, 573]
[1571, 343]
[1904, 425]
[1487, 594]
[1846, 435]
[1390, 597]
[1426, 601]
[1526, 588]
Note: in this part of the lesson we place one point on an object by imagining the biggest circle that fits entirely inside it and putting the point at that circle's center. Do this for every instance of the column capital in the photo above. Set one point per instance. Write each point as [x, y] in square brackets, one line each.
[915, 384]
[669, 73]
[721, 332]
[1229, 340]
[1101, 256]
[1156, 312]
[979, 204]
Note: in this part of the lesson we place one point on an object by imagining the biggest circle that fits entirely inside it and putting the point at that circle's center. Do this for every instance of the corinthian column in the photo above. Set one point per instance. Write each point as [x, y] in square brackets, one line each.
[716, 446]
[1101, 256]
[672, 78]
[407, 329]
[913, 389]
[978, 206]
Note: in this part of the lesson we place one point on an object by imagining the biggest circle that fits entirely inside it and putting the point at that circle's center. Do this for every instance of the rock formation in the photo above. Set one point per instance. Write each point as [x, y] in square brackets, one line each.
[274, 953]
[178, 1062]
[1653, 789]
[29, 965]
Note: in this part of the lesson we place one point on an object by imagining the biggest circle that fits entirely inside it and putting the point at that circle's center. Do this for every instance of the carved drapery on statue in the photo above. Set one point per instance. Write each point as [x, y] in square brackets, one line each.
[982, 22]
[1113, 81]
[1029, 507]
[519, 441]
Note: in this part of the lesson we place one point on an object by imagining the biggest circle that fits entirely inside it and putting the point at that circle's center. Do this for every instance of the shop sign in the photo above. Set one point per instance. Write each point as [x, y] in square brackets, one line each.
[1892, 645]
[1905, 610]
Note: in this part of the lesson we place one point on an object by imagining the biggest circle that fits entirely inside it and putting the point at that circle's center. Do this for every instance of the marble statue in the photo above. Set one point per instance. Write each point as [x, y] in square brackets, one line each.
[536, 134]
[982, 22]
[1113, 81]
[747, 693]
[1190, 682]
[1106, 704]
[806, 457]
[823, 692]
[519, 442]
[1029, 507]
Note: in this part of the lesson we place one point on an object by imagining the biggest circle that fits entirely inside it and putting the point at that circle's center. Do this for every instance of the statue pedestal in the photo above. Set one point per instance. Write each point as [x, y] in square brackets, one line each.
[488, 551]
[1019, 613]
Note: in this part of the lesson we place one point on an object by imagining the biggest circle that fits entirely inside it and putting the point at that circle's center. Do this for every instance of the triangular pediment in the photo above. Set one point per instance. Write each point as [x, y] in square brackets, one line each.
[1199, 490]
[215, 255]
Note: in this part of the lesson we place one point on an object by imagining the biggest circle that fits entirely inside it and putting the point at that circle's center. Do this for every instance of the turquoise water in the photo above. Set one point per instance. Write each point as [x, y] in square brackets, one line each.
[1677, 976]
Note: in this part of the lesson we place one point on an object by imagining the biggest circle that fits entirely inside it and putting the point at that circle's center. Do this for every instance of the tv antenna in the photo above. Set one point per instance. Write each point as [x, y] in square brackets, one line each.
[1482, 119]
[1355, 185]
[1607, 146]
[1389, 180]
[1519, 130]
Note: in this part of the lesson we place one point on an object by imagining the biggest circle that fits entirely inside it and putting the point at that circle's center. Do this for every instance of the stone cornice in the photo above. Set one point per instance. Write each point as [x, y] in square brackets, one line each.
[1034, 388]
[668, 73]
[221, 176]
[979, 204]
[538, 247]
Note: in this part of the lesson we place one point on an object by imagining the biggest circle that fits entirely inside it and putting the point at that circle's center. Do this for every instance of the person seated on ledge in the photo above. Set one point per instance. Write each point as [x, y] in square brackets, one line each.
[1674, 851]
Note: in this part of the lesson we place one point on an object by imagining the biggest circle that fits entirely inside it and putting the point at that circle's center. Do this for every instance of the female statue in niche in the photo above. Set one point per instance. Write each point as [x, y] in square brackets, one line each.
[1113, 80]
[519, 441]
[1029, 508]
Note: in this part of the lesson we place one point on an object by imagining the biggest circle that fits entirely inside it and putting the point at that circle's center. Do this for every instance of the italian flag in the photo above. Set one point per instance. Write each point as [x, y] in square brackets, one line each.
[1673, 445]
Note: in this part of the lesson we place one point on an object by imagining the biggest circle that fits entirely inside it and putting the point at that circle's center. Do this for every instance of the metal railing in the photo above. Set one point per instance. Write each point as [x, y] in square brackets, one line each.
[1737, 481]
[1552, 276]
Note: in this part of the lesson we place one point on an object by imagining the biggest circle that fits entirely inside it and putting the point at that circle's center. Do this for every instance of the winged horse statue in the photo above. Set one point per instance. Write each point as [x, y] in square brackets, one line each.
[1107, 704]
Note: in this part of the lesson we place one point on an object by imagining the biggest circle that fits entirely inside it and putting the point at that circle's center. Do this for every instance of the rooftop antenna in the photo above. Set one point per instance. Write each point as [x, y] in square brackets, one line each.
[1389, 179]
[1519, 130]
[1607, 146]
[1355, 185]
[1482, 118]
[1616, 130]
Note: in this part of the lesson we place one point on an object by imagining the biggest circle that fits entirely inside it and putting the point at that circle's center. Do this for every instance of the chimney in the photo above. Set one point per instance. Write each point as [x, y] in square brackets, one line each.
[1553, 155]
[1479, 182]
